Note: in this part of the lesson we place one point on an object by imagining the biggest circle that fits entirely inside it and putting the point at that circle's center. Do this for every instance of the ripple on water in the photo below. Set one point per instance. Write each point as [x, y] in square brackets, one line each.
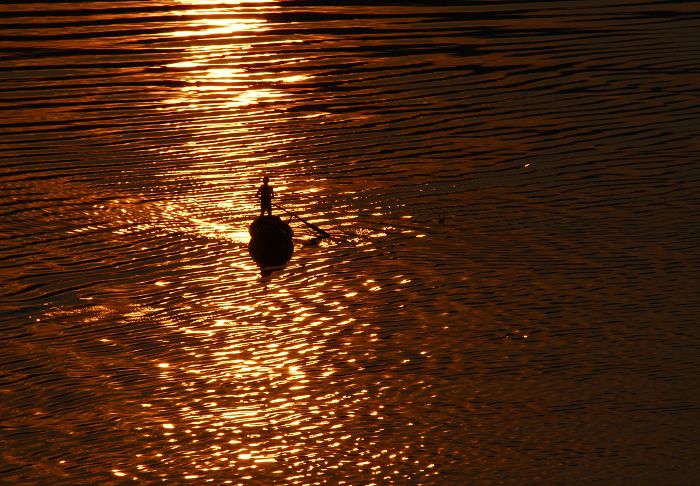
[506, 296]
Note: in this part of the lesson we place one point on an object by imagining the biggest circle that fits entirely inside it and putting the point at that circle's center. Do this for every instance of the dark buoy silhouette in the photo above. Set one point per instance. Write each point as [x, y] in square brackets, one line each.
[270, 241]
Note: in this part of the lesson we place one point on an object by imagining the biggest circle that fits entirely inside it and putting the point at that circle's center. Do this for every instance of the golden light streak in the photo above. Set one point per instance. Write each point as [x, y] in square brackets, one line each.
[243, 383]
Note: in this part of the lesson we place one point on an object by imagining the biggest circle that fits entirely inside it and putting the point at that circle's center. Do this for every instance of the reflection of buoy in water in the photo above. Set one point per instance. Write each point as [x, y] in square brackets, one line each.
[270, 241]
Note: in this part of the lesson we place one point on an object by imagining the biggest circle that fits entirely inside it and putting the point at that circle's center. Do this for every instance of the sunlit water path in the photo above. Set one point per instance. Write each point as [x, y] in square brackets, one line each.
[509, 296]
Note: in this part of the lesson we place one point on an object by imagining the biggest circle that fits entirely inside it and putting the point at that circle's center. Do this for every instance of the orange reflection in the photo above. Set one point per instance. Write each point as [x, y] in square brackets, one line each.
[232, 103]
[253, 378]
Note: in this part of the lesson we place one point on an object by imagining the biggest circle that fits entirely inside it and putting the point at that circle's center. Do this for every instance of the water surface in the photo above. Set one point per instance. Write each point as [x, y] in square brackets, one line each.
[509, 296]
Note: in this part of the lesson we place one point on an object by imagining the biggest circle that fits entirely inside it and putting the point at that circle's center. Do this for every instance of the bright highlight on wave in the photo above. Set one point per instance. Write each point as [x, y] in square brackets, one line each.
[508, 190]
[232, 89]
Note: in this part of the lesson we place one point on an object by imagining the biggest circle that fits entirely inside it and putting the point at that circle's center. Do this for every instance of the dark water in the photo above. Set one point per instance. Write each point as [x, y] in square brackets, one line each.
[510, 296]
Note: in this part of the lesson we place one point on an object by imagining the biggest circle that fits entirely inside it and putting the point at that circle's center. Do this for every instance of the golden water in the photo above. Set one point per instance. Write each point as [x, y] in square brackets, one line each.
[509, 296]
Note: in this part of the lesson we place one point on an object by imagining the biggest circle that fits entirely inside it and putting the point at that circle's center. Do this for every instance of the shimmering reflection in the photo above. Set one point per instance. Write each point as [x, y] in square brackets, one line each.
[509, 192]
[270, 389]
[232, 103]
[261, 382]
